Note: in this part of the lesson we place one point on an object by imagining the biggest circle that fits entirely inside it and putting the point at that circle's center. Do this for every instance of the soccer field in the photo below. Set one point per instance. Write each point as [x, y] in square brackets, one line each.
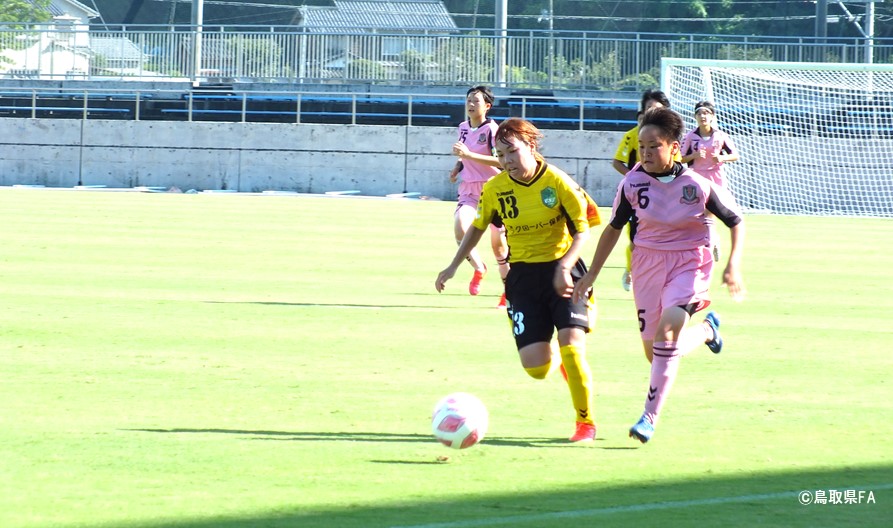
[224, 360]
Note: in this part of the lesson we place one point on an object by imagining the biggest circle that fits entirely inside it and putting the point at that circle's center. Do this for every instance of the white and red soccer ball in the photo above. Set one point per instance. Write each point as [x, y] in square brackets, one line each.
[460, 420]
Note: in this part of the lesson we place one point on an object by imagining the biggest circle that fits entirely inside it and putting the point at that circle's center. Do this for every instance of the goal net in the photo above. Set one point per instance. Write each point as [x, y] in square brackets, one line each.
[814, 138]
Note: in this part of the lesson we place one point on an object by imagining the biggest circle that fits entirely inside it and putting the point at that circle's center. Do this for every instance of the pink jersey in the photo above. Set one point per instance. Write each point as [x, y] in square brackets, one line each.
[480, 141]
[718, 142]
[670, 215]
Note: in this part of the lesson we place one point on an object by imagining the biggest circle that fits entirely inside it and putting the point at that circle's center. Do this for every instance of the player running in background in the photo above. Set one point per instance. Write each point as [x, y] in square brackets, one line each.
[477, 163]
[625, 159]
[672, 262]
[706, 149]
[547, 217]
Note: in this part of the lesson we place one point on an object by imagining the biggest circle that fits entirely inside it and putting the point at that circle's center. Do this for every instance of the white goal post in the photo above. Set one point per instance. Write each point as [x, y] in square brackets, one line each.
[814, 138]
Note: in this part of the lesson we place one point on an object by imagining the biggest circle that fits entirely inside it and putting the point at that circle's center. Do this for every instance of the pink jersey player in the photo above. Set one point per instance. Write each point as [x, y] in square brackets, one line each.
[706, 148]
[670, 217]
[672, 261]
[476, 164]
[472, 175]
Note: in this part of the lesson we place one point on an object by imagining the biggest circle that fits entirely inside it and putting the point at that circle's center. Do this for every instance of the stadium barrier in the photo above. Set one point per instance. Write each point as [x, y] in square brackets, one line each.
[235, 104]
[375, 160]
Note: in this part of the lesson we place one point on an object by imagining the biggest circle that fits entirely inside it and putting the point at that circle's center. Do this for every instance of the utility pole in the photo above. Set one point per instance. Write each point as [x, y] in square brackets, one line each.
[868, 30]
[198, 19]
[821, 19]
[551, 44]
[821, 28]
[501, 40]
[172, 15]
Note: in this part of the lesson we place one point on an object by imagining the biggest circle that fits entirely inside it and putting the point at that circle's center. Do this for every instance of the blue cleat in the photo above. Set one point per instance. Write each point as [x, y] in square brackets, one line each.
[715, 344]
[642, 431]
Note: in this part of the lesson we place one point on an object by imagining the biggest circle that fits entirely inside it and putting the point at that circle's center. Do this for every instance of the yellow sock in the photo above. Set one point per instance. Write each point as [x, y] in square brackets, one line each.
[539, 372]
[629, 257]
[579, 380]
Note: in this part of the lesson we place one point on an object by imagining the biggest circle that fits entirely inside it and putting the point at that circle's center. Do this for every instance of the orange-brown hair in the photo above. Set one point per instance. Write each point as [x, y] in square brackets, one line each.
[515, 127]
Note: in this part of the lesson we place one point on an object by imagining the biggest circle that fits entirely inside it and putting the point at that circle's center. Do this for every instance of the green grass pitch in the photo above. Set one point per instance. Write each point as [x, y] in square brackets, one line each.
[221, 360]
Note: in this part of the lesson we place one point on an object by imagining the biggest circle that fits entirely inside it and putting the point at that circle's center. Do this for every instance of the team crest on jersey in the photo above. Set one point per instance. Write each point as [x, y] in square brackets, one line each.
[482, 138]
[550, 199]
[689, 195]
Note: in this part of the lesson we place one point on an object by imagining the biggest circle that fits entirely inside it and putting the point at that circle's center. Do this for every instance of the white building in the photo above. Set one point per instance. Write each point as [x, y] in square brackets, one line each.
[64, 49]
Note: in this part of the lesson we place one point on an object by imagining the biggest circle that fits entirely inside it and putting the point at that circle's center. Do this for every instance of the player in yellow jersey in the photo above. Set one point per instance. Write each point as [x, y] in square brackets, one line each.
[626, 158]
[547, 217]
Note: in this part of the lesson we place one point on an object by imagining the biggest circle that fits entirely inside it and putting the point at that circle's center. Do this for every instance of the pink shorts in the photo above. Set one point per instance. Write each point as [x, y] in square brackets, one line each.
[470, 193]
[669, 278]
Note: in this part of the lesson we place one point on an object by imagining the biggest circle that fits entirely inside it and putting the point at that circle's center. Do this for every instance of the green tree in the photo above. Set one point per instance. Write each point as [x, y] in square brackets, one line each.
[20, 12]
[366, 70]
[415, 64]
[605, 72]
[17, 14]
[465, 60]
[734, 52]
[254, 57]
[522, 77]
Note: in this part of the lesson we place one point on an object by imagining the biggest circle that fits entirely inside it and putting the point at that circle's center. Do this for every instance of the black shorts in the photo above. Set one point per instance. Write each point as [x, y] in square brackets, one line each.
[533, 306]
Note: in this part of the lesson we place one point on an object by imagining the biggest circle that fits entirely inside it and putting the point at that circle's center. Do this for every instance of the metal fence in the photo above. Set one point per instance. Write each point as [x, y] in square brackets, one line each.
[510, 59]
[309, 106]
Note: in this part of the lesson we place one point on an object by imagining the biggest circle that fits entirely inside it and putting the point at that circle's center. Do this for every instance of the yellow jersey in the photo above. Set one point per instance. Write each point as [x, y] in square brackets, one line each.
[540, 216]
[628, 149]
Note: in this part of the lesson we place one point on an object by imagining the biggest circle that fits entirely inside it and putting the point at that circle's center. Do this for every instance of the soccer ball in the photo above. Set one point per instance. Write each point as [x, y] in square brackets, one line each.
[460, 420]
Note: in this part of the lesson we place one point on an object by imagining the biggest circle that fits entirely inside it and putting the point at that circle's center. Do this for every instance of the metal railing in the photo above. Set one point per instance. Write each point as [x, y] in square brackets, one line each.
[531, 59]
[307, 106]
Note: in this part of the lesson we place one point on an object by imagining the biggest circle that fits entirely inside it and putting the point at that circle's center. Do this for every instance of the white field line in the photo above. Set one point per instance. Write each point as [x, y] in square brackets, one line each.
[635, 508]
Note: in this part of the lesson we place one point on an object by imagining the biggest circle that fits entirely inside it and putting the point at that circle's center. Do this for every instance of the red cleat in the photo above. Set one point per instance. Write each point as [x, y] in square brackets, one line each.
[474, 287]
[501, 303]
[585, 433]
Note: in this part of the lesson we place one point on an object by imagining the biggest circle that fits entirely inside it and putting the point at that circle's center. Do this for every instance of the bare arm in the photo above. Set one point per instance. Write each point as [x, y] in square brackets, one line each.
[454, 173]
[606, 243]
[563, 282]
[727, 153]
[731, 277]
[619, 166]
[727, 157]
[469, 241]
[461, 149]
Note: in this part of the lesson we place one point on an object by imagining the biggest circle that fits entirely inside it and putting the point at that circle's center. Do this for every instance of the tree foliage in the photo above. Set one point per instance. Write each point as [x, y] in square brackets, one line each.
[786, 17]
[778, 18]
[20, 12]
[465, 60]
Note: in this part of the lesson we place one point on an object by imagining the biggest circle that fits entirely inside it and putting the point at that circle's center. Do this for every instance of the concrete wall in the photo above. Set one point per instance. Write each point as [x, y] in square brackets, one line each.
[253, 157]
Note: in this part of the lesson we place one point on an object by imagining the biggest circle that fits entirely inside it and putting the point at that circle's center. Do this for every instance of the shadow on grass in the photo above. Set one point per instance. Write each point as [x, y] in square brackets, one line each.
[354, 305]
[307, 436]
[764, 499]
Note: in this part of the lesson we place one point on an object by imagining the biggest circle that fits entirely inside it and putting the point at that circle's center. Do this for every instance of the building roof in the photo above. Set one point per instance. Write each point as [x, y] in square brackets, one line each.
[69, 7]
[379, 15]
[115, 48]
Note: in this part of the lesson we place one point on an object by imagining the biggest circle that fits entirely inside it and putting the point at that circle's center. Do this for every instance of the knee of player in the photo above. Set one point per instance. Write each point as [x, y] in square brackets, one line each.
[539, 372]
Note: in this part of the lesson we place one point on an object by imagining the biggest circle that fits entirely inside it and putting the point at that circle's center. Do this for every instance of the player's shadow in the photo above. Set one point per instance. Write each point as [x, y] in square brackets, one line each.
[344, 305]
[309, 436]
